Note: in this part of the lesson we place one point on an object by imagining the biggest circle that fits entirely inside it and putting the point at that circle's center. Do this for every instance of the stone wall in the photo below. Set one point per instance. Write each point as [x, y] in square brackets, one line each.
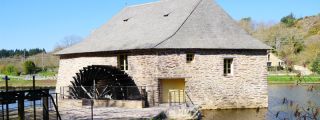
[205, 82]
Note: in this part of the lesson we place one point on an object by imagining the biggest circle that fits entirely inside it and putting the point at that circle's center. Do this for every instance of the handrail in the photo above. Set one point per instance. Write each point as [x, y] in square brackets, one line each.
[54, 104]
[188, 98]
[78, 92]
[174, 99]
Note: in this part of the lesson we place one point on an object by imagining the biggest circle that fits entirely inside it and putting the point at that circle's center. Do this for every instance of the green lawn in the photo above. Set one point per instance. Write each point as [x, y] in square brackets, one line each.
[278, 79]
[272, 79]
[28, 83]
[47, 73]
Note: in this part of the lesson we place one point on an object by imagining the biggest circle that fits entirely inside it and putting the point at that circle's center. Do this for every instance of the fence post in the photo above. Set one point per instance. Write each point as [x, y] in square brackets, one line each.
[6, 78]
[33, 82]
[45, 102]
[34, 98]
[2, 110]
[7, 106]
[91, 109]
[21, 106]
[57, 111]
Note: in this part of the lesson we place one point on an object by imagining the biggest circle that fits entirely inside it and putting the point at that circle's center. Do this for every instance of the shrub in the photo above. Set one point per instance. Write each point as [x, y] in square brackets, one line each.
[314, 30]
[10, 70]
[29, 67]
[316, 65]
[2, 68]
[289, 20]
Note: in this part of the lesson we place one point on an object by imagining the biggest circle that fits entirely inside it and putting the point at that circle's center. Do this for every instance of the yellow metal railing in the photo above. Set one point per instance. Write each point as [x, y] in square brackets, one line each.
[176, 96]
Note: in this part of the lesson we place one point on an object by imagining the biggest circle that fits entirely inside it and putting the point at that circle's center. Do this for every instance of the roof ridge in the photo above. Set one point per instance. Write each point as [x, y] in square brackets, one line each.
[180, 25]
[143, 4]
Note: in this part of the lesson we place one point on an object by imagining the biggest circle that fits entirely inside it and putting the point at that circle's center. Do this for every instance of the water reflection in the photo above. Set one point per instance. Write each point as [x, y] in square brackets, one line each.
[236, 114]
[285, 102]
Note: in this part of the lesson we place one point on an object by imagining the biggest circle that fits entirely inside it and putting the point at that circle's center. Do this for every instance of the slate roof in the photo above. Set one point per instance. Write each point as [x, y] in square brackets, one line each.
[168, 24]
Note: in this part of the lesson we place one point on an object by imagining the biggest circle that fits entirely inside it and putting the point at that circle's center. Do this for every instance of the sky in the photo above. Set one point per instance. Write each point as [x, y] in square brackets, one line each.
[45, 23]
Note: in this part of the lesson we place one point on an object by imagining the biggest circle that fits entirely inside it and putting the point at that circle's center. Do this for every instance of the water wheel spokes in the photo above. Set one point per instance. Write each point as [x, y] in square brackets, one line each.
[103, 82]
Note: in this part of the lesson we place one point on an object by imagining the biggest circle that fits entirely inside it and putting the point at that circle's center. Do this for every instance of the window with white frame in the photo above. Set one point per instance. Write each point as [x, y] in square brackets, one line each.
[228, 66]
[123, 62]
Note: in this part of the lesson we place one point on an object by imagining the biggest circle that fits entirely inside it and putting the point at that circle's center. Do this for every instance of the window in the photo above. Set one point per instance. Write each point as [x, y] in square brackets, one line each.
[126, 20]
[269, 64]
[189, 57]
[123, 62]
[228, 66]
[281, 63]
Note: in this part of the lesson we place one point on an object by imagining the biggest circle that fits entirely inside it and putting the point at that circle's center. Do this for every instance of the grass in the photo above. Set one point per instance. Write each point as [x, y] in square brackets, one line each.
[288, 79]
[47, 73]
[272, 79]
[28, 83]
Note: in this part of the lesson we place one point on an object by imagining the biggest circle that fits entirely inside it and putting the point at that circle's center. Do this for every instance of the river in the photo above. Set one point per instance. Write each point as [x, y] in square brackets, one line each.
[28, 103]
[285, 102]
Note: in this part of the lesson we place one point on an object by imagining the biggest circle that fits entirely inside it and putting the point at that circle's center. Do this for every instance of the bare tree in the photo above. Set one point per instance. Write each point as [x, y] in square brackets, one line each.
[67, 42]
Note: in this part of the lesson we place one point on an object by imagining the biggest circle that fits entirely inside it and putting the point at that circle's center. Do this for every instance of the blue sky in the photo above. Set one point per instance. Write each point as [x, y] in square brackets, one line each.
[42, 24]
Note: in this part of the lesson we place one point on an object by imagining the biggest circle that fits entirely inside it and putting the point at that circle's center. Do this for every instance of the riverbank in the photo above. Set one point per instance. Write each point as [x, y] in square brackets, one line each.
[14, 83]
[272, 79]
[293, 79]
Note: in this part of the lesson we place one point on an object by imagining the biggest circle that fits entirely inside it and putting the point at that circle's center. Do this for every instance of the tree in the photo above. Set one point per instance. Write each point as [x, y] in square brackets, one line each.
[23, 52]
[29, 67]
[9, 70]
[246, 24]
[316, 65]
[67, 42]
[288, 20]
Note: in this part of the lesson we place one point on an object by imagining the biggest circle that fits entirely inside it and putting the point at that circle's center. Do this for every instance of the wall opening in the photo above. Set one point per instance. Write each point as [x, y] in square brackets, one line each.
[172, 90]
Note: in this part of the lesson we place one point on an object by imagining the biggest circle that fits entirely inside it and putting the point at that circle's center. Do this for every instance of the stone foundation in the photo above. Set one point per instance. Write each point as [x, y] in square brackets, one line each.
[103, 103]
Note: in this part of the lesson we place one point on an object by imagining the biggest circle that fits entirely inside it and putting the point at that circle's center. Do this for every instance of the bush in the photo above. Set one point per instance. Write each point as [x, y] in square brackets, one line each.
[9, 70]
[29, 67]
[316, 65]
[314, 30]
[289, 20]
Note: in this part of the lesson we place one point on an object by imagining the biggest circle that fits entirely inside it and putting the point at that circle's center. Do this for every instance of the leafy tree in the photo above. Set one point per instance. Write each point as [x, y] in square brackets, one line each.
[316, 65]
[29, 67]
[9, 70]
[288, 20]
[22, 52]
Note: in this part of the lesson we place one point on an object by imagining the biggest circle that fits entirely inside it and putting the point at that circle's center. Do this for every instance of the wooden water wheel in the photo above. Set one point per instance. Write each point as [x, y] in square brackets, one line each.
[103, 82]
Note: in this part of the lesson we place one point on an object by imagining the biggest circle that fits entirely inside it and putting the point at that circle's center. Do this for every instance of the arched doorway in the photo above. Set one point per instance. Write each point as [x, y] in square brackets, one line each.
[104, 82]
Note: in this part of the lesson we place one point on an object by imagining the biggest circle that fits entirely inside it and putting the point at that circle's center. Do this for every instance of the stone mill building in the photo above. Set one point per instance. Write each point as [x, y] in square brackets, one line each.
[190, 48]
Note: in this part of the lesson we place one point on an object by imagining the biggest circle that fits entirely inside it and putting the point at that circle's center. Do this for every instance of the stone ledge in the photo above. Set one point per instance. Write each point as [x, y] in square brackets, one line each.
[104, 103]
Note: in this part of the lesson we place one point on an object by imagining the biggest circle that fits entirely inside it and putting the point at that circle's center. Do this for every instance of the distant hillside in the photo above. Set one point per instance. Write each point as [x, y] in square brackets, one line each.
[295, 40]
[42, 60]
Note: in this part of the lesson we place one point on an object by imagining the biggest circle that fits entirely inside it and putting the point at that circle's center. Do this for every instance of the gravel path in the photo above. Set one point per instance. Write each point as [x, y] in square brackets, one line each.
[102, 113]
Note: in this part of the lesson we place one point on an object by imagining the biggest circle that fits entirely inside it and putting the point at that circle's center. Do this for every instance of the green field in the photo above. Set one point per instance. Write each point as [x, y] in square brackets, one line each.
[28, 83]
[272, 79]
[282, 79]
